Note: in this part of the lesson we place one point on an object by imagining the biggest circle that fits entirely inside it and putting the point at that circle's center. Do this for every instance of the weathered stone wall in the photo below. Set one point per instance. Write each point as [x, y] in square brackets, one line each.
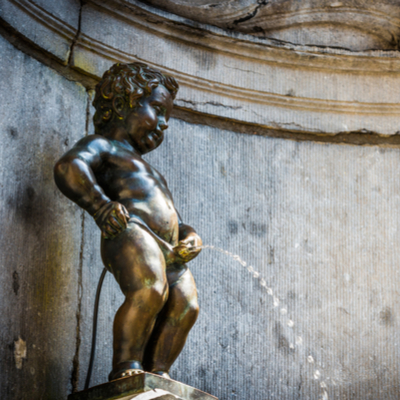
[316, 221]
[42, 114]
[351, 24]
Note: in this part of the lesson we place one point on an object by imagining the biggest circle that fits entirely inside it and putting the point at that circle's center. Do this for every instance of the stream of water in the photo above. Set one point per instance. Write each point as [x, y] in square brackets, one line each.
[277, 303]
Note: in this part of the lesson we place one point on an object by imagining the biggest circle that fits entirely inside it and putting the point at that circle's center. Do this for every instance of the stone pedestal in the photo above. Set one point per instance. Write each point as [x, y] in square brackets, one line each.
[143, 386]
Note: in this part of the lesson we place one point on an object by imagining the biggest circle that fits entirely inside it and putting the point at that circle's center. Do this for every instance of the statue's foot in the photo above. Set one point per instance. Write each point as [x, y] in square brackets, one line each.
[125, 369]
[162, 373]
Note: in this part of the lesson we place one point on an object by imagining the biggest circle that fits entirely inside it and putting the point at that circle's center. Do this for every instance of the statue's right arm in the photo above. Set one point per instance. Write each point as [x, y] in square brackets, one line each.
[74, 174]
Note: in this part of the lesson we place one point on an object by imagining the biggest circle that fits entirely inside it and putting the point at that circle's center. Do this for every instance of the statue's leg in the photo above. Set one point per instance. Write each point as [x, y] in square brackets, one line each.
[138, 265]
[173, 323]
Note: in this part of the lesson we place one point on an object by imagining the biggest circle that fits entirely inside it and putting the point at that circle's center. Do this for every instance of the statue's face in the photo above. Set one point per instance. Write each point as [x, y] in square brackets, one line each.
[146, 125]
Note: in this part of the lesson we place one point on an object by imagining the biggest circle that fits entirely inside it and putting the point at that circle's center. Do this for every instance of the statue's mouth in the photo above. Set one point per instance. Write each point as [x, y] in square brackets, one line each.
[158, 134]
[153, 138]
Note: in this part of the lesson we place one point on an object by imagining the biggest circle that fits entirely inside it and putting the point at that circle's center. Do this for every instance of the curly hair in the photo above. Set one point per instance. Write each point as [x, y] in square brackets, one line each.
[123, 85]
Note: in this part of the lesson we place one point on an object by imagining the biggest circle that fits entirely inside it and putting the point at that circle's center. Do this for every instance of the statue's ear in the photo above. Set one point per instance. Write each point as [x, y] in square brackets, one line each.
[134, 97]
[119, 106]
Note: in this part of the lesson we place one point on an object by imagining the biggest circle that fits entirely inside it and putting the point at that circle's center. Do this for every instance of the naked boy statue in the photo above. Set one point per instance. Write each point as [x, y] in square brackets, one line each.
[144, 243]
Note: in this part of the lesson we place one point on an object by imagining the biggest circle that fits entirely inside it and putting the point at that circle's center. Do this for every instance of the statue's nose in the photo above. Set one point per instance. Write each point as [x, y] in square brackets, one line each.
[163, 125]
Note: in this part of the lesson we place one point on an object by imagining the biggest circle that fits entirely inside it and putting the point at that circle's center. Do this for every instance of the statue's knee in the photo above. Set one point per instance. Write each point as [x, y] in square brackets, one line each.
[153, 297]
[156, 295]
[191, 312]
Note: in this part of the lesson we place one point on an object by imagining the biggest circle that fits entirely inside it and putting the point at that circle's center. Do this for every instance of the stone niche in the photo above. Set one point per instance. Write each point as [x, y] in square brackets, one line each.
[235, 77]
[254, 156]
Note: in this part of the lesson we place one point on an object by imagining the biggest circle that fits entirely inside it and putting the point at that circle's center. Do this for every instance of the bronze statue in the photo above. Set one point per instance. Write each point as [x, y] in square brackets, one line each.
[144, 243]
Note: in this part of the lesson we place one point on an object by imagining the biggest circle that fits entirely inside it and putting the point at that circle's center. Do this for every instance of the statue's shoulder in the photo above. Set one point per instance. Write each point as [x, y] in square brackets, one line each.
[95, 143]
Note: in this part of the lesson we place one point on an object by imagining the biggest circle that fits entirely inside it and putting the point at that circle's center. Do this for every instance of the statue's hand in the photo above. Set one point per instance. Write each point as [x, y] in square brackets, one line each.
[112, 219]
[188, 248]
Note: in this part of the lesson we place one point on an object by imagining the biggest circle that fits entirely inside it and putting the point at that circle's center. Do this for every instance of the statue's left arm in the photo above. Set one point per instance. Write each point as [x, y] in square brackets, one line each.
[190, 243]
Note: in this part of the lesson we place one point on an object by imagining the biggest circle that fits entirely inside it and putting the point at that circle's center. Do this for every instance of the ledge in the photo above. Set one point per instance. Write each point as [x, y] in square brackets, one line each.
[133, 386]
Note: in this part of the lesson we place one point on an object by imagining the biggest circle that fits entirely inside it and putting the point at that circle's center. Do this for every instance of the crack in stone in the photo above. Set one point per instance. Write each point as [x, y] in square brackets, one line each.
[318, 46]
[75, 361]
[187, 101]
[33, 50]
[243, 70]
[216, 104]
[299, 386]
[261, 3]
[89, 93]
[78, 32]
[212, 103]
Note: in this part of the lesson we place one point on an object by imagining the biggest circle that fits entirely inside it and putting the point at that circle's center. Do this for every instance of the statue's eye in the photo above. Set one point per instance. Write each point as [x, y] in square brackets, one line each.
[159, 110]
